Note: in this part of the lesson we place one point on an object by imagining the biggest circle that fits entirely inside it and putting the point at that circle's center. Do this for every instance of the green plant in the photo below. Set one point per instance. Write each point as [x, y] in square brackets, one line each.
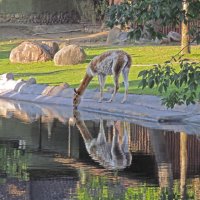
[150, 15]
[186, 82]
[101, 8]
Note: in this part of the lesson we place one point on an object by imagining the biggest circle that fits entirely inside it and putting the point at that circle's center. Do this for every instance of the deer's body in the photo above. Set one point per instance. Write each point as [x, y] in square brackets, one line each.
[109, 63]
[111, 155]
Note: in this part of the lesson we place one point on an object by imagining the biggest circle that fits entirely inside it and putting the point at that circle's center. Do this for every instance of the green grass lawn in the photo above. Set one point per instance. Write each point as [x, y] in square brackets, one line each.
[50, 74]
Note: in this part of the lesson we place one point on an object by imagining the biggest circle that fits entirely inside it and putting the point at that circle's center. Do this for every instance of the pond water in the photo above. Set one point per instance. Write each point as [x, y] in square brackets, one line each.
[44, 158]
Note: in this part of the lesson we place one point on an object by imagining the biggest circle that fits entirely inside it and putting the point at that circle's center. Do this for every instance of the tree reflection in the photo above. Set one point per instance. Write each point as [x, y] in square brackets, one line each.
[183, 164]
[163, 162]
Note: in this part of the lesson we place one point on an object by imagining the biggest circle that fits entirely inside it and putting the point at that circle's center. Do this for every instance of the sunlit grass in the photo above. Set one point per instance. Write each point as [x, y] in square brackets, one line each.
[143, 57]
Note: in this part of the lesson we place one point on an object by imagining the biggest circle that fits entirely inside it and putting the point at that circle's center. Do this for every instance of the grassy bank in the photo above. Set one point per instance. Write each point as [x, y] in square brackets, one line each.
[143, 57]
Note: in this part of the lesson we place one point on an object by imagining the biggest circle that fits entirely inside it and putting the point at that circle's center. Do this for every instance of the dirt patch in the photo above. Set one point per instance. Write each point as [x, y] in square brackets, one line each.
[14, 33]
[69, 33]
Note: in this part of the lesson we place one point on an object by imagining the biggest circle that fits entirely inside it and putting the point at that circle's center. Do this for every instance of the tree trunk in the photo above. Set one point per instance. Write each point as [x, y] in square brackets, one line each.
[185, 39]
[165, 173]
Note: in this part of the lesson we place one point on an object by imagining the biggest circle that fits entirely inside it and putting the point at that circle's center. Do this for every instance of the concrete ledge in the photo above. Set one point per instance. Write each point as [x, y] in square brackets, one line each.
[30, 112]
[138, 107]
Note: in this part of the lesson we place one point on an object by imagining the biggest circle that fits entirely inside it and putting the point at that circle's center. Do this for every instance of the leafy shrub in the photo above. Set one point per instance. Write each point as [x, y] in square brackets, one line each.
[186, 82]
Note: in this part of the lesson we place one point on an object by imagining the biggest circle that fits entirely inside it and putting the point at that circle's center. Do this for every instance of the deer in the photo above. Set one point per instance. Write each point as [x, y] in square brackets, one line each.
[113, 62]
[111, 155]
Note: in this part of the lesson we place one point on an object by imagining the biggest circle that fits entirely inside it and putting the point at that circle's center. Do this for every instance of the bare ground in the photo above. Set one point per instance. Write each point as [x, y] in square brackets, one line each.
[69, 33]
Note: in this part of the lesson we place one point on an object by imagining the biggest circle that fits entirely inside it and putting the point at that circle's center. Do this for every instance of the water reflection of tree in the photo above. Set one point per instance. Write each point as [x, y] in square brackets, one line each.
[103, 183]
[163, 162]
[168, 187]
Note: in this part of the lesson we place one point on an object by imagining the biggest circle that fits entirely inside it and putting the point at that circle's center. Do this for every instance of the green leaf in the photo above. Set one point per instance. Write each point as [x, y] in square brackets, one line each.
[142, 83]
[160, 88]
[151, 83]
[143, 73]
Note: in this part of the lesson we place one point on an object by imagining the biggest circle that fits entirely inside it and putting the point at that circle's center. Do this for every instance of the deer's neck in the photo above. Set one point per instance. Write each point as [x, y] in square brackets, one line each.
[86, 80]
[84, 130]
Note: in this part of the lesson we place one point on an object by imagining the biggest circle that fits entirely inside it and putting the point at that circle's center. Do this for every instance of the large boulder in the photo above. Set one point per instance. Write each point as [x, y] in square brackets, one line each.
[113, 35]
[116, 36]
[51, 47]
[70, 55]
[174, 36]
[28, 52]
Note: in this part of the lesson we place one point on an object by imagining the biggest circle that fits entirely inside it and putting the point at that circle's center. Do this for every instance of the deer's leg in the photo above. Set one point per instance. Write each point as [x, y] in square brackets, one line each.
[101, 139]
[125, 73]
[102, 79]
[116, 151]
[116, 87]
[125, 145]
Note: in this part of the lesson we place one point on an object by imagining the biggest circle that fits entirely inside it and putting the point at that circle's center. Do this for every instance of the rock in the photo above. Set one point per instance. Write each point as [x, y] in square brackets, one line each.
[51, 47]
[116, 36]
[55, 90]
[64, 85]
[8, 76]
[31, 80]
[174, 36]
[28, 52]
[70, 55]
[123, 37]
[165, 41]
[113, 36]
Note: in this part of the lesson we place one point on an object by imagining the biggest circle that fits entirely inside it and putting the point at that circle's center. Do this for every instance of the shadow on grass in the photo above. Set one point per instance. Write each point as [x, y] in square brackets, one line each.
[4, 54]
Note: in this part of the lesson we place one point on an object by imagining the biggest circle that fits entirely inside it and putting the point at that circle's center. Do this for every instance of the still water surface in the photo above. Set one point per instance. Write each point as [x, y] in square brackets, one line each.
[47, 159]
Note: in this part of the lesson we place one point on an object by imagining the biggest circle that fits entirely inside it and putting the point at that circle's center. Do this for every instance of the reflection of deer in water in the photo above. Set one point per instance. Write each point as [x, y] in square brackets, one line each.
[108, 63]
[111, 155]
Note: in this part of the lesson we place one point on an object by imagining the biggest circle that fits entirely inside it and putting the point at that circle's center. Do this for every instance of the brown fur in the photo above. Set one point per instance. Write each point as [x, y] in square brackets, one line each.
[116, 61]
[111, 155]
[84, 84]
[99, 60]
[119, 63]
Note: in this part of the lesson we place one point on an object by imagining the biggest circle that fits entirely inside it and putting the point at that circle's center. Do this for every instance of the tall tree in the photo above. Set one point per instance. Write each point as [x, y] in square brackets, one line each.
[143, 15]
[185, 38]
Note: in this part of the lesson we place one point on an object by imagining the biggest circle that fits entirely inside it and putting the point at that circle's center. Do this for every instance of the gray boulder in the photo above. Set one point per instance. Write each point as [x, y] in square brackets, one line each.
[113, 35]
[70, 55]
[123, 37]
[116, 36]
[174, 36]
[28, 52]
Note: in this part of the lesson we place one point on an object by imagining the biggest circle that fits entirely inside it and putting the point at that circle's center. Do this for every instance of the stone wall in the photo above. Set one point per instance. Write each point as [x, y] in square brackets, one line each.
[41, 18]
[46, 11]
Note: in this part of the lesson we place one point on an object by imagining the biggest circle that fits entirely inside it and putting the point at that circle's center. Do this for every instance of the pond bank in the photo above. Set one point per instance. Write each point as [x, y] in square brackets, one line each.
[138, 107]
